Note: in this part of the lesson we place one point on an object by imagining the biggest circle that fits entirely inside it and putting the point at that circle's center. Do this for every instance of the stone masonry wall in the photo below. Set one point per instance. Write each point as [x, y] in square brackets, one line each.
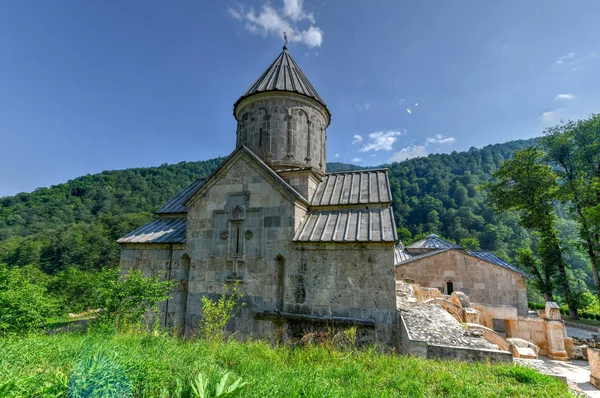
[349, 280]
[283, 130]
[170, 263]
[483, 282]
[220, 255]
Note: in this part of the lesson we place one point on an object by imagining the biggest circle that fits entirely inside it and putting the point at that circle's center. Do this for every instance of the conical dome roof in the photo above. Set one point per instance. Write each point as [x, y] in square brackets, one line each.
[283, 74]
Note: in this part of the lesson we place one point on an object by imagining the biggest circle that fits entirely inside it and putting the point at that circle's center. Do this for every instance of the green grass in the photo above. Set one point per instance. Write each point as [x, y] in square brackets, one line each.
[591, 322]
[161, 366]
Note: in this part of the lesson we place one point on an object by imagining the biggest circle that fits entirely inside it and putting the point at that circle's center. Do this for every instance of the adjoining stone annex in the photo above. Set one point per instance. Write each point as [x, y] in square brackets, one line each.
[481, 275]
[308, 248]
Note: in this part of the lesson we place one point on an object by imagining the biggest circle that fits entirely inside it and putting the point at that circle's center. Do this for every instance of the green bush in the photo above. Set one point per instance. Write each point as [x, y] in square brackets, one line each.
[24, 305]
[536, 306]
[216, 314]
[77, 291]
[127, 298]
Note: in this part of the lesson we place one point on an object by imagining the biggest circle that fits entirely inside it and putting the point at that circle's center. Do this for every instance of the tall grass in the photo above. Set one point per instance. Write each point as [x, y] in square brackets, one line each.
[150, 365]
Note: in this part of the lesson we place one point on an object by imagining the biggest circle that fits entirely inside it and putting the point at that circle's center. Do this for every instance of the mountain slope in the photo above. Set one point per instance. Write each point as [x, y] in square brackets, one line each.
[76, 223]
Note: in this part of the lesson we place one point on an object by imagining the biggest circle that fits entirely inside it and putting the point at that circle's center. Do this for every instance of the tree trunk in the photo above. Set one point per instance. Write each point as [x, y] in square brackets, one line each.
[548, 296]
[590, 248]
[564, 283]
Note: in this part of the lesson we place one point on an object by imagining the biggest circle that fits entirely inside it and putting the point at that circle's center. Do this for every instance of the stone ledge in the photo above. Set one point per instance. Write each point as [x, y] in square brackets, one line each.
[329, 320]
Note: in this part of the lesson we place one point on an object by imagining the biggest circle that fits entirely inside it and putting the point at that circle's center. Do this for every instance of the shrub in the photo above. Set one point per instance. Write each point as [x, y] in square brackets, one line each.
[597, 317]
[78, 291]
[24, 305]
[216, 314]
[129, 297]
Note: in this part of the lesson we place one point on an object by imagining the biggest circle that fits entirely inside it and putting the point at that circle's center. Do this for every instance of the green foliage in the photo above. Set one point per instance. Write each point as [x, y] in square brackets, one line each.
[77, 291]
[202, 389]
[573, 149]
[163, 366]
[130, 297]
[470, 243]
[542, 275]
[24, 305]
[99, 376]
[528, 185]
[216, 314]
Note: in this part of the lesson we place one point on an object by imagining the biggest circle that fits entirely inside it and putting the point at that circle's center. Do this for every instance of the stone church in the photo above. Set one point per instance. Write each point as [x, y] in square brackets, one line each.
[481, 275]
[307, 248]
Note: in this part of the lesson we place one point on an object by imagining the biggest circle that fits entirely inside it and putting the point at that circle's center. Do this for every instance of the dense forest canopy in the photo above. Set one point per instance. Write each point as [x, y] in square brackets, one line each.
[75, 224]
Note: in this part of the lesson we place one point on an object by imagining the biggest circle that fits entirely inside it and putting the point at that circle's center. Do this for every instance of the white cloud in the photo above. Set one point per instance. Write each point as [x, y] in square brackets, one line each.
[364, 106]
[356, 160]
[552, 116]
[237, 14]
[566, 59]
[272, 21]
[571, 63]
[294, 10]
[409, 152]
[337, 155]
[416, 151]
[402, 100]
[357, 139]
[381, 141]
[439, 139]
[564, 97]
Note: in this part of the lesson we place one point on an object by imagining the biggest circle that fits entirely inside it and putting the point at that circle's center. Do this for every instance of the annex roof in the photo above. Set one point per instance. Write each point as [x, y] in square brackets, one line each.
[401, 257]
[353, 187]
[160, 230]
[283, 74]
[433, 242]
[348, 225]
[176, 205]
[492, 258]
[400, 253]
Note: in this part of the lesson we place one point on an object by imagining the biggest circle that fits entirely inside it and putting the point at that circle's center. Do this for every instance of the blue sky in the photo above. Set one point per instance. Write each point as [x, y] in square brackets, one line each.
[87, 86]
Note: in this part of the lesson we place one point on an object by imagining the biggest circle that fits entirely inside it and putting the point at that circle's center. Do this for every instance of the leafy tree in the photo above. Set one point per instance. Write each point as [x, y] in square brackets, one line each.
[470, 243]
[542, 273]
[573, 148]
[526, 184]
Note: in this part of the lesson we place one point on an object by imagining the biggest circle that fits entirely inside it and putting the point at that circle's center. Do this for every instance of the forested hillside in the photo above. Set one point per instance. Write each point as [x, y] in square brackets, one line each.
[76, 223]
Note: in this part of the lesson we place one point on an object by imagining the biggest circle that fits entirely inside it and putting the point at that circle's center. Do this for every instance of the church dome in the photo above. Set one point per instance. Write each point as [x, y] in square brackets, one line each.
[282, 119]
[283, 74]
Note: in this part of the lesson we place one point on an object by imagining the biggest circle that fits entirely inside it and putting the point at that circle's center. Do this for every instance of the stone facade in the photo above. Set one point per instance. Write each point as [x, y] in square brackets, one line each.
[482, 281]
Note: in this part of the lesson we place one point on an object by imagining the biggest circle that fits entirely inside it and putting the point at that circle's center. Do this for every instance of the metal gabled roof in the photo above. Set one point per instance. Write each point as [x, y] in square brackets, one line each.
[348, 225]
[176, 205]
[400, 253]
[433, 242]
[283, 74]
[492, 258]
[160, 230]
[353, 187]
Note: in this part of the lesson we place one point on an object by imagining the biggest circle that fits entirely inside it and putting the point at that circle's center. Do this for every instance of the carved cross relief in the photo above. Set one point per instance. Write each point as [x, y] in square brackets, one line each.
[237, 232]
